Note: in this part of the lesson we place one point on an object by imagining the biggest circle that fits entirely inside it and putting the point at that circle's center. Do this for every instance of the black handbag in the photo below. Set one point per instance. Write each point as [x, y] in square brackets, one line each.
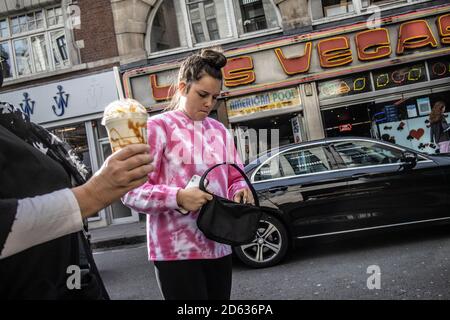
[226, 221]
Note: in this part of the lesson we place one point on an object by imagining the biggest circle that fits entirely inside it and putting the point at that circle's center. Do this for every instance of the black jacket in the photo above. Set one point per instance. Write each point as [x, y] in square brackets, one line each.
[39, 272]
[32, 163]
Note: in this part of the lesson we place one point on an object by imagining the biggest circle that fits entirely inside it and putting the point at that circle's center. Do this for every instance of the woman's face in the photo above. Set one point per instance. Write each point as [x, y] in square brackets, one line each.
[200, 98]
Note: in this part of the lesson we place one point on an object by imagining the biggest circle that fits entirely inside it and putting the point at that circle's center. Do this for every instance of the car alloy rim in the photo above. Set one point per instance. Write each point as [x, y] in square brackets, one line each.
[266, 245]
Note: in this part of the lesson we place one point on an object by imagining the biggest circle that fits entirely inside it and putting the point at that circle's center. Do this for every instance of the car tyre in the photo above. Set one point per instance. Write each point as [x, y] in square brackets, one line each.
[269, 247]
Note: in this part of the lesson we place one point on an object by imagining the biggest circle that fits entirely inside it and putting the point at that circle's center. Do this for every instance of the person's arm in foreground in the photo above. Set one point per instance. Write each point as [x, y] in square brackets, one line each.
[31, 221]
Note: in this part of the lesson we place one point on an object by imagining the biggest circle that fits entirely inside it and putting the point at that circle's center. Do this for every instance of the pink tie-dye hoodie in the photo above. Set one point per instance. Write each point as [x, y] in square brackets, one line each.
[182, 148]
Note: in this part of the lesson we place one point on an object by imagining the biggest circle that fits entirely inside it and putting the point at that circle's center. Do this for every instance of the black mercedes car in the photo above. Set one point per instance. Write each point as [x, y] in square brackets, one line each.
[343, 185]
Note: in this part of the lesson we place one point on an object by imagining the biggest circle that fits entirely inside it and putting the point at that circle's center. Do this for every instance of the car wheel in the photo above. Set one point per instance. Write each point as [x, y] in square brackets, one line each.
[268, 248]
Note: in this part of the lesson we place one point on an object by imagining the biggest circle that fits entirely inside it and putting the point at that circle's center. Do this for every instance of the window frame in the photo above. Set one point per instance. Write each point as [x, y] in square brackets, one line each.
[11, 59]
[359, 10]
[343, 165]
[46, 31]
[232, 24]
[323, 145]
[333, 157]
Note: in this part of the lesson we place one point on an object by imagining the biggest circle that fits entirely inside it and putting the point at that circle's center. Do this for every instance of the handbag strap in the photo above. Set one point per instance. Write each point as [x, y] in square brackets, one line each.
[202, 180]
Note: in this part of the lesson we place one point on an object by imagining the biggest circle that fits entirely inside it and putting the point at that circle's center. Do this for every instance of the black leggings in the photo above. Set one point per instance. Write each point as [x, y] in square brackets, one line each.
[204, 279]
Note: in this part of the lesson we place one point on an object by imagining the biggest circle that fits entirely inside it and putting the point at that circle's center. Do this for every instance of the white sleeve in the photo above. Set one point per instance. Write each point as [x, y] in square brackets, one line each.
[41, 219]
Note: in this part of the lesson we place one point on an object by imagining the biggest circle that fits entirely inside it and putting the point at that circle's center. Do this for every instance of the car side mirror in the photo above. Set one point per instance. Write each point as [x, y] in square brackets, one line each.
[409, 159]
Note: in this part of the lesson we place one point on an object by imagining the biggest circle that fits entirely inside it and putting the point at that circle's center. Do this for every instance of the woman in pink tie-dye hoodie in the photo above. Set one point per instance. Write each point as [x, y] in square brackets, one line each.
[185, 142]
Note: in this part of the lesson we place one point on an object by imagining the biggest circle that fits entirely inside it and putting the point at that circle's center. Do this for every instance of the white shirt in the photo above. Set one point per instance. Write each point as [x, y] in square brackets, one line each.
[41, 219]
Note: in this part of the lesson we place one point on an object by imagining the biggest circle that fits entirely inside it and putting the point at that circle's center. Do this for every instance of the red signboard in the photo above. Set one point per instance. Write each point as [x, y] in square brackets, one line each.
[345, 127]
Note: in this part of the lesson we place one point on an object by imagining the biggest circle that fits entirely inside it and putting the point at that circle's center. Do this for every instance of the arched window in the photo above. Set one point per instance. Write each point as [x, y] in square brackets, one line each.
[187, 23]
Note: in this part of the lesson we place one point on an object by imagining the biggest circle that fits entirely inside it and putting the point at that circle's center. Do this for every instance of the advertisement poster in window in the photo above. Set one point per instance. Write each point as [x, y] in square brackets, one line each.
[296, 129]
[412, 133]
[412, 110]
[424, 106]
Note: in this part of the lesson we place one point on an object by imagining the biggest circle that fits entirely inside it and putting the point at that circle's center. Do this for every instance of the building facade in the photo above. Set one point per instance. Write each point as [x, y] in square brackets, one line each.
[58, 58]
[307, 68]
[310, 69]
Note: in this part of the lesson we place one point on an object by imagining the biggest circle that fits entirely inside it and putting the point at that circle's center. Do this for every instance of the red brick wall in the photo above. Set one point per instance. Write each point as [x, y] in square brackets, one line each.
[97, 30]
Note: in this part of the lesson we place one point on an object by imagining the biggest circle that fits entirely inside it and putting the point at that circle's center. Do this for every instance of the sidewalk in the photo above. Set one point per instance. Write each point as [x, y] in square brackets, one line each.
[118, 235]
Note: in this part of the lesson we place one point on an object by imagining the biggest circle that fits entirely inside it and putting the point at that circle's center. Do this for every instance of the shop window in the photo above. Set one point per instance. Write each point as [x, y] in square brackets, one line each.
[403, 121]
[36, 40]
[207, 21]
[255, 15]
[5, 60]
[168, 29]
[202, 16]
[40, 53]
[336, 7]
[352, 120]
[4, 30]
[23, 57]
[75, 136]
[293, 163]
[59, 48]
[327, 9]
[54, 16]
[365, 153]
[330, 8]
[368, 3]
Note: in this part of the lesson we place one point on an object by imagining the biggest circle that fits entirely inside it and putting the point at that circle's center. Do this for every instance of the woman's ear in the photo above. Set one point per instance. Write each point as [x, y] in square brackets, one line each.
[182, 87]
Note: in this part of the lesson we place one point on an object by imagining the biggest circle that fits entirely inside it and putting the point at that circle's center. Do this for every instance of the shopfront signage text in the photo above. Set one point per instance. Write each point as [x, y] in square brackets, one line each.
[334, 52]
[264, 101]
[67, 99]
[28, 105]
[312, 56]
[62, 102]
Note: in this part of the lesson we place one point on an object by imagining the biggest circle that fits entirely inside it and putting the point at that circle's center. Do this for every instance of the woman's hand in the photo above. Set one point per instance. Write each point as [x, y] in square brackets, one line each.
[192, 199]
[244, 195]
[123, 171]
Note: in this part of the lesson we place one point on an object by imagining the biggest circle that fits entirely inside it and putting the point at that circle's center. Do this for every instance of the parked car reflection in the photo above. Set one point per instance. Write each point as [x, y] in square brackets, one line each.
[342, 185]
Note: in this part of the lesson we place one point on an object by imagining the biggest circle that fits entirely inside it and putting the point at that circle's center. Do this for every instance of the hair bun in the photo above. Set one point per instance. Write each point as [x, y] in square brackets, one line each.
[214, 58]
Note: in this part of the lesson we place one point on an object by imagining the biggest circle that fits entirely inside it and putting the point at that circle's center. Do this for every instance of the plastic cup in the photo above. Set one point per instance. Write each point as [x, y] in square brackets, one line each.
[125, 127]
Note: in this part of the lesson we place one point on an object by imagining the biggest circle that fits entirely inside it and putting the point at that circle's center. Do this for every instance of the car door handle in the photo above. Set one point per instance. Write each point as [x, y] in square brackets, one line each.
[277, 189]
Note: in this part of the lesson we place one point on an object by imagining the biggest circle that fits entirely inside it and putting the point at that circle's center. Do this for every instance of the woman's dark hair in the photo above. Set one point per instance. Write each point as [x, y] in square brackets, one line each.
[436, 113]
[193, 68]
